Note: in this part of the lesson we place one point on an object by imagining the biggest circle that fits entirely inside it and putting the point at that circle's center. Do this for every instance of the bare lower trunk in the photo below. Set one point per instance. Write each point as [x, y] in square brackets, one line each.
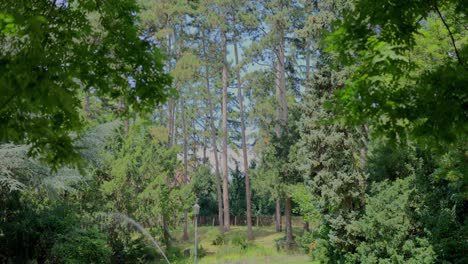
[184, 132]
[169, 120]
[214, 142]
[282, 109]
[173, 125]
[278, 216]
[225, 138]
[204, 160]
[289, 231]
[244, 144]
[308, 41]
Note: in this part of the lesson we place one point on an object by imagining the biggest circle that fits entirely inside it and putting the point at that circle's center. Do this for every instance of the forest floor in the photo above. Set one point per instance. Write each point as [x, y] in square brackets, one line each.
[261, 250]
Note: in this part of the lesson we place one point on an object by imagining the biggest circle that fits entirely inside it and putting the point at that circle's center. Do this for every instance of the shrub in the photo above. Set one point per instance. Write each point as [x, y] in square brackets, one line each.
[174, 253]
[201, 252]
[215, 237]
[321, 251]
[240, 241]
[280, 243]
[88, 246]
[306, 242]
[389, 210]
[139, 250]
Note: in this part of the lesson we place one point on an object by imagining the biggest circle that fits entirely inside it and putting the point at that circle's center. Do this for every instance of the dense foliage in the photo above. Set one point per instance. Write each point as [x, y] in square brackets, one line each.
[350, 114]
[53, 52]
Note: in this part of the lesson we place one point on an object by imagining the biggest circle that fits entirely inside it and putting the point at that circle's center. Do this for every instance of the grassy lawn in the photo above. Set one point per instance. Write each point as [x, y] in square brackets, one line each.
[261, 250]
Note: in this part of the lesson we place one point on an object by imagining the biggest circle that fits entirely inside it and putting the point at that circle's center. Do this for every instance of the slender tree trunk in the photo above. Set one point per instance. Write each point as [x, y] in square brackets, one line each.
[121, 109]
[289, 232]
[170, 103]
[184, 132]
[278, 216]
[169, 120]
[213, 140]
[195, 143]
[227, 222]
[244, 144]
[126, 126]
[204, 147]
[308, 41]
[279, 133]
[282, 82]
[87, 105]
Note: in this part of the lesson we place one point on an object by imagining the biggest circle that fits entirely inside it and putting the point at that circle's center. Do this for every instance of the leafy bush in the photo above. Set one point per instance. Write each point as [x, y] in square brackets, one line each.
[88, 246]
[32, 226]
[387, 231]
[174, 253]
[240, 241]
[306, 242]
[140, 251]
[201, 252]
[215, 237]
[321, 251]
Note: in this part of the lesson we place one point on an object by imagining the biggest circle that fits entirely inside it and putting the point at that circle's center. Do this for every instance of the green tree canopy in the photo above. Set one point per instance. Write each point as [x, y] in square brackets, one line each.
[409, 68]
[52, 51]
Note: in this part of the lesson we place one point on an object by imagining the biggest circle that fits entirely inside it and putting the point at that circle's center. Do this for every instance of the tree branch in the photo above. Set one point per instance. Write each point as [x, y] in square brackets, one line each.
[460, 61]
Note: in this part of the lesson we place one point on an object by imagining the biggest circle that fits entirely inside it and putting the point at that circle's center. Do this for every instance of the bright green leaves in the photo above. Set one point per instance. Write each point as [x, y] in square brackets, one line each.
[408, 84]
[374, 92]
[307, 203]
[401, 84]
[142, 179]
[50, 54]
[186, 68]
[7, 24]
[389, 20]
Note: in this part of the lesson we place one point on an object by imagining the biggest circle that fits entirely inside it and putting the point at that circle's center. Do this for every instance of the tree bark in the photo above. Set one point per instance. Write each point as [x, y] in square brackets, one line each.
[184, 136]
[308, 41]
[282, 81]
[87, 105]
[205, 142]
[289, 232]
[278, 216]
[204, 151]
[170, 103]
[225, 136]
[244, 144]
[169, 120]
[213, 140]
[121, 109]
[282, 100]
